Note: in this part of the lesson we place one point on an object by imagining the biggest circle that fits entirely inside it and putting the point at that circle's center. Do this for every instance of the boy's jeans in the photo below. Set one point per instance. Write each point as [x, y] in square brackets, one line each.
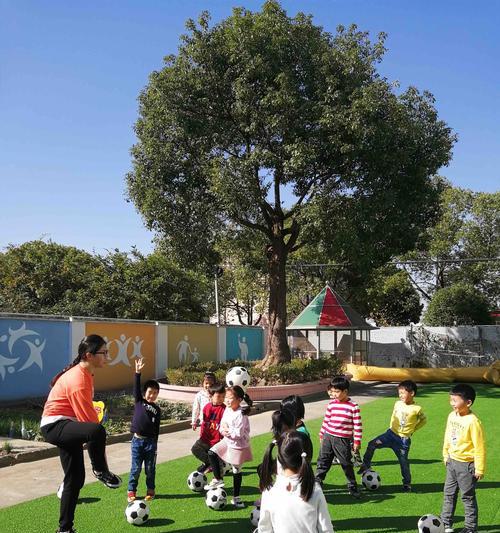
[143, 449]
[460, 476]
[399, 445]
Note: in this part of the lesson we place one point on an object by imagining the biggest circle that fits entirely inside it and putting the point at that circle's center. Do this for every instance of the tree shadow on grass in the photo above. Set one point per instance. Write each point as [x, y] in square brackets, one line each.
[412, 461]
[438, 487]
[339, 496]
[180, 496]
[218, 525]
[378, 524]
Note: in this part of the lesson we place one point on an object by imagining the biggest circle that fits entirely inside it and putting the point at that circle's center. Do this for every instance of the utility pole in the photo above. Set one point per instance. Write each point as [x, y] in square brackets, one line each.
[218, 271]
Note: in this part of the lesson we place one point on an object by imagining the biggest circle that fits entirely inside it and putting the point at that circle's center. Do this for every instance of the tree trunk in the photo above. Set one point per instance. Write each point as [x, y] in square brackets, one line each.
[278, 350]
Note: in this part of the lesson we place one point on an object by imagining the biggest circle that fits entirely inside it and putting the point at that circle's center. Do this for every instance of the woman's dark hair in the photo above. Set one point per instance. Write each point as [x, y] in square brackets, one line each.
[89, 344]
[242, 395]
[293, 456]
[295, 404]
[282, 420]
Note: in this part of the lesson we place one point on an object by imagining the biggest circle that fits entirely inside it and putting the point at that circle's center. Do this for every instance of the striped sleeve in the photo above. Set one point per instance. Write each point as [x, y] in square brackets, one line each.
[358, 426]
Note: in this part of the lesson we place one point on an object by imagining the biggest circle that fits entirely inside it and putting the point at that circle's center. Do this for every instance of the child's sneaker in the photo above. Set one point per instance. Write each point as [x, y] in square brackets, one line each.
[214, 484]
[236, 501]
[467, 530]
[150, 495]
[449, 530]
[67, 531]
[131, 496]
[362, 469]
[111, 480]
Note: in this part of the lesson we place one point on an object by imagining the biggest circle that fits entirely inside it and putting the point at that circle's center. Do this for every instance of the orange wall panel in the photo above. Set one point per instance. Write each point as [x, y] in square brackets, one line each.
[125, 342]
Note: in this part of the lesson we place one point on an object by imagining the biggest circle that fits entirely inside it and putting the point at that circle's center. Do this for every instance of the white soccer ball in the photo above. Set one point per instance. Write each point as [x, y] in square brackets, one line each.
[216, 499]
[238, 375]
[225, 468]
[430, 523]
[254, 516]
[60, 490]
[137, 512]
[371, 480]
[196, 481]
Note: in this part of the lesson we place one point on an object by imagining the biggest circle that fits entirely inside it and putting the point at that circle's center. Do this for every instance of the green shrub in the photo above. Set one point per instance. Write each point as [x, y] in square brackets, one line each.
[297, 371]
[457, 305]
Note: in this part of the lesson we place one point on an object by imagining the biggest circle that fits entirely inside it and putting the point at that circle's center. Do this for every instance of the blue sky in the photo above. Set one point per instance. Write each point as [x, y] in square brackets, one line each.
[70, 73]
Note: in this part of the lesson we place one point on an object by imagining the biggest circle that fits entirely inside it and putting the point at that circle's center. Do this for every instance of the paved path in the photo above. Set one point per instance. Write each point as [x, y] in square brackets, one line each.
[27, 481]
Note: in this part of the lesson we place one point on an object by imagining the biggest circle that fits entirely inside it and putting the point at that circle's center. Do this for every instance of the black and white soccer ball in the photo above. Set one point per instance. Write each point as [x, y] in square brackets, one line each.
[371, 480]
[238, 375]
[225, 468]
[254, 516]
[216, 499]
[137, 512]
[196, 481]
[430, 523]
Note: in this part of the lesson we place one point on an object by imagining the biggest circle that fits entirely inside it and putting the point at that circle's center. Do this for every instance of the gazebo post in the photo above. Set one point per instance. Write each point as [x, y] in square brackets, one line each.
[319, 341]
[353, 340]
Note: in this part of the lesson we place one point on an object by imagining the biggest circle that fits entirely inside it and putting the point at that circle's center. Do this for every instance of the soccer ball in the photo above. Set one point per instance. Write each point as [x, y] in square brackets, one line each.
[137, 512]
[225, 468]
[430, 524]
[196, 481]
[254, 516]
[371, 480]
[216, 499]
[238, 375]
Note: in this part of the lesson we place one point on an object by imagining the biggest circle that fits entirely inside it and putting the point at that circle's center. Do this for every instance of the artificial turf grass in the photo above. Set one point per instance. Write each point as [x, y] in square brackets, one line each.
[386, 510]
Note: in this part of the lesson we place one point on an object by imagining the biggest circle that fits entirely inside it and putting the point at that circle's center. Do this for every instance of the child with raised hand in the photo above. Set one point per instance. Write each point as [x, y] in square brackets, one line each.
[69, 420]
[201, 399]
[407, 417]
[464, 455]
[295, 503]
[340, 434]
[145, 428]
[234, 448]
[210, 426]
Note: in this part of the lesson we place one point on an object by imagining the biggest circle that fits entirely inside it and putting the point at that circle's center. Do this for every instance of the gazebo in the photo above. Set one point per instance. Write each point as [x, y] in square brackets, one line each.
[330, 324]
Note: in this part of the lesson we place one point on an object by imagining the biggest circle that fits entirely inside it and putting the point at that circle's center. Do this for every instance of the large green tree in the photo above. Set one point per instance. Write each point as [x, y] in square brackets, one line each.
[259, 117]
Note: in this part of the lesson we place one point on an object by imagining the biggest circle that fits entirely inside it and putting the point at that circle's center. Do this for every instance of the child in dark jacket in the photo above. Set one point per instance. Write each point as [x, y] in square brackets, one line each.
[145, 428]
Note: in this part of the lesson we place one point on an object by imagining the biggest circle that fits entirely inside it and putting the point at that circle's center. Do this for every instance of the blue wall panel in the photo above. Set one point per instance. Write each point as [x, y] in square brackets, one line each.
[244, 343]
[31, 353]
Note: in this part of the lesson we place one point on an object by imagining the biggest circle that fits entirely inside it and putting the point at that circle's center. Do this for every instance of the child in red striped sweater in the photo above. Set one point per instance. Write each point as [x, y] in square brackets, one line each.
[341, 430]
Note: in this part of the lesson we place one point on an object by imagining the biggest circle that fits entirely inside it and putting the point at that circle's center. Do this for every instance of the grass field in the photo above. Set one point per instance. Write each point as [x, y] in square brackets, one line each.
[386, 510]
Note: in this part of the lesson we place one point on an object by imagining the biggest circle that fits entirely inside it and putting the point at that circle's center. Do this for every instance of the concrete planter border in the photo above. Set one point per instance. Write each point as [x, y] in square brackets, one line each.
[179, 393]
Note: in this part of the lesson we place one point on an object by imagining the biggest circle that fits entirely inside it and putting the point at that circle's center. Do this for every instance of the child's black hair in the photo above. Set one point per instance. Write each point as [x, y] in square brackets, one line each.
[150, 384]
[466, 392]
[217, 388]
[242, 395]
[293, 456]
[282, 420]
[209, 375]
[409, 386]
[295, 404]
[339, 382]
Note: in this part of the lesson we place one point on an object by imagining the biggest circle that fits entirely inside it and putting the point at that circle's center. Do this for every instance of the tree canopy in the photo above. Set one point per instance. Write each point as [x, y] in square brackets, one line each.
[264, 124]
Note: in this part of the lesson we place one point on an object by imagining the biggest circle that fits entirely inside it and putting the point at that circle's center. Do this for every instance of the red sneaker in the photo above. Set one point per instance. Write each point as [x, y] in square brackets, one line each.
[131, 496]
[150, 495]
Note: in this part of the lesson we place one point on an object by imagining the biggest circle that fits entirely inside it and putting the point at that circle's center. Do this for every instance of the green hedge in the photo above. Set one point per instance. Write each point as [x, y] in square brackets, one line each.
[297, 371]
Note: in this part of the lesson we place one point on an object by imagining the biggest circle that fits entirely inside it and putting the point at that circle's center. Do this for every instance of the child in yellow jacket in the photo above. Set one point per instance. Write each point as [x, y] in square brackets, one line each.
[464, 456]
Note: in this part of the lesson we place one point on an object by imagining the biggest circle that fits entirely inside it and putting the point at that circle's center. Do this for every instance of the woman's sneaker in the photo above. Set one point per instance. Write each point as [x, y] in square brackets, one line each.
[214, 484]
[111, 480]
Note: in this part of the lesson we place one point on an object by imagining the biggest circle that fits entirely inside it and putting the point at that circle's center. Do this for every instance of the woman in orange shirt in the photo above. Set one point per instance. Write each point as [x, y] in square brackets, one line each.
[69, 420]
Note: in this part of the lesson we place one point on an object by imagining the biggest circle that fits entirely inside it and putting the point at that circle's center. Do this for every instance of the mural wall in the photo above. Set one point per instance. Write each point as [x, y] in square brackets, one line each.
[32, 352]
[189, 343]
[244, 343]
[125, 342]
